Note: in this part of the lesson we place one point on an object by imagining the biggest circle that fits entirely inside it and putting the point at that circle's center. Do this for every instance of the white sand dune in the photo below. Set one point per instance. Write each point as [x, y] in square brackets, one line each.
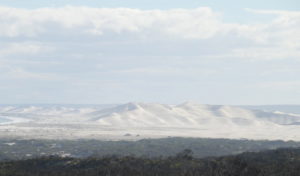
[144, 120]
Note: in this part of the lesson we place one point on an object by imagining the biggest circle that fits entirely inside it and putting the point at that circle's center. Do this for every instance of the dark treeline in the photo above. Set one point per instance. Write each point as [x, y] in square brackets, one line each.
[281, 162]
[203, 147]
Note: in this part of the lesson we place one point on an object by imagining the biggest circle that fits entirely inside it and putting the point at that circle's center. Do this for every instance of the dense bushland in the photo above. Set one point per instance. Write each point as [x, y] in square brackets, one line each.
[14, 149]
[281, 162]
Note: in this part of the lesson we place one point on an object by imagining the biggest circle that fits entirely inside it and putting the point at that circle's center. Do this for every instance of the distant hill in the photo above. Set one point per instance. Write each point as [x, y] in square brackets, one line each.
[295, 109]
[133, 121]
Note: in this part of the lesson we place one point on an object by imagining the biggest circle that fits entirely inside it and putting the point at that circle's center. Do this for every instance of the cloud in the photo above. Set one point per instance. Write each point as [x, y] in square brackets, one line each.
[22, 48]
[119, 25]
[195, 23]
[273, 12]
[284, 29]
[265, 53]
[167, 71]
[282, 85]
[98, 50]
[23, 74]
[8, 72]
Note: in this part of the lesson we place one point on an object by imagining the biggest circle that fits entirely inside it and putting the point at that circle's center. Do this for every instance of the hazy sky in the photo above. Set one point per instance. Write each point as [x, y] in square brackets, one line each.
[109, 51]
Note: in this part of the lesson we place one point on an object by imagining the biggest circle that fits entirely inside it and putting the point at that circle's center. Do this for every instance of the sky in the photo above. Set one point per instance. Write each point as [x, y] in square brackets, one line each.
[108, 51]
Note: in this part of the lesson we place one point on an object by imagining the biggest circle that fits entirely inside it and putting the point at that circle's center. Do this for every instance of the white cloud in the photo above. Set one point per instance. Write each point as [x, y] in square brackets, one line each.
[278, 38]
[197, 23]
[23, 74]
[283, 30]
[183, 23]
[112, 52]
[9, 72]
[265, 53]
[170, 71]
[22, 48]
[281, 85]
[273, 12]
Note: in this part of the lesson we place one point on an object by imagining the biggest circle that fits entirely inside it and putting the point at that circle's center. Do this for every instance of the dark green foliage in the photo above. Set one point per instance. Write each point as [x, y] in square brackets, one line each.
[202, 147]
[282, 162]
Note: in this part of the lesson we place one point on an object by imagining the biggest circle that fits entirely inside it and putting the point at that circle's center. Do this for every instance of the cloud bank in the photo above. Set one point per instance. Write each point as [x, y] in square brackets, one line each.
[120, 48]
[67, 23]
